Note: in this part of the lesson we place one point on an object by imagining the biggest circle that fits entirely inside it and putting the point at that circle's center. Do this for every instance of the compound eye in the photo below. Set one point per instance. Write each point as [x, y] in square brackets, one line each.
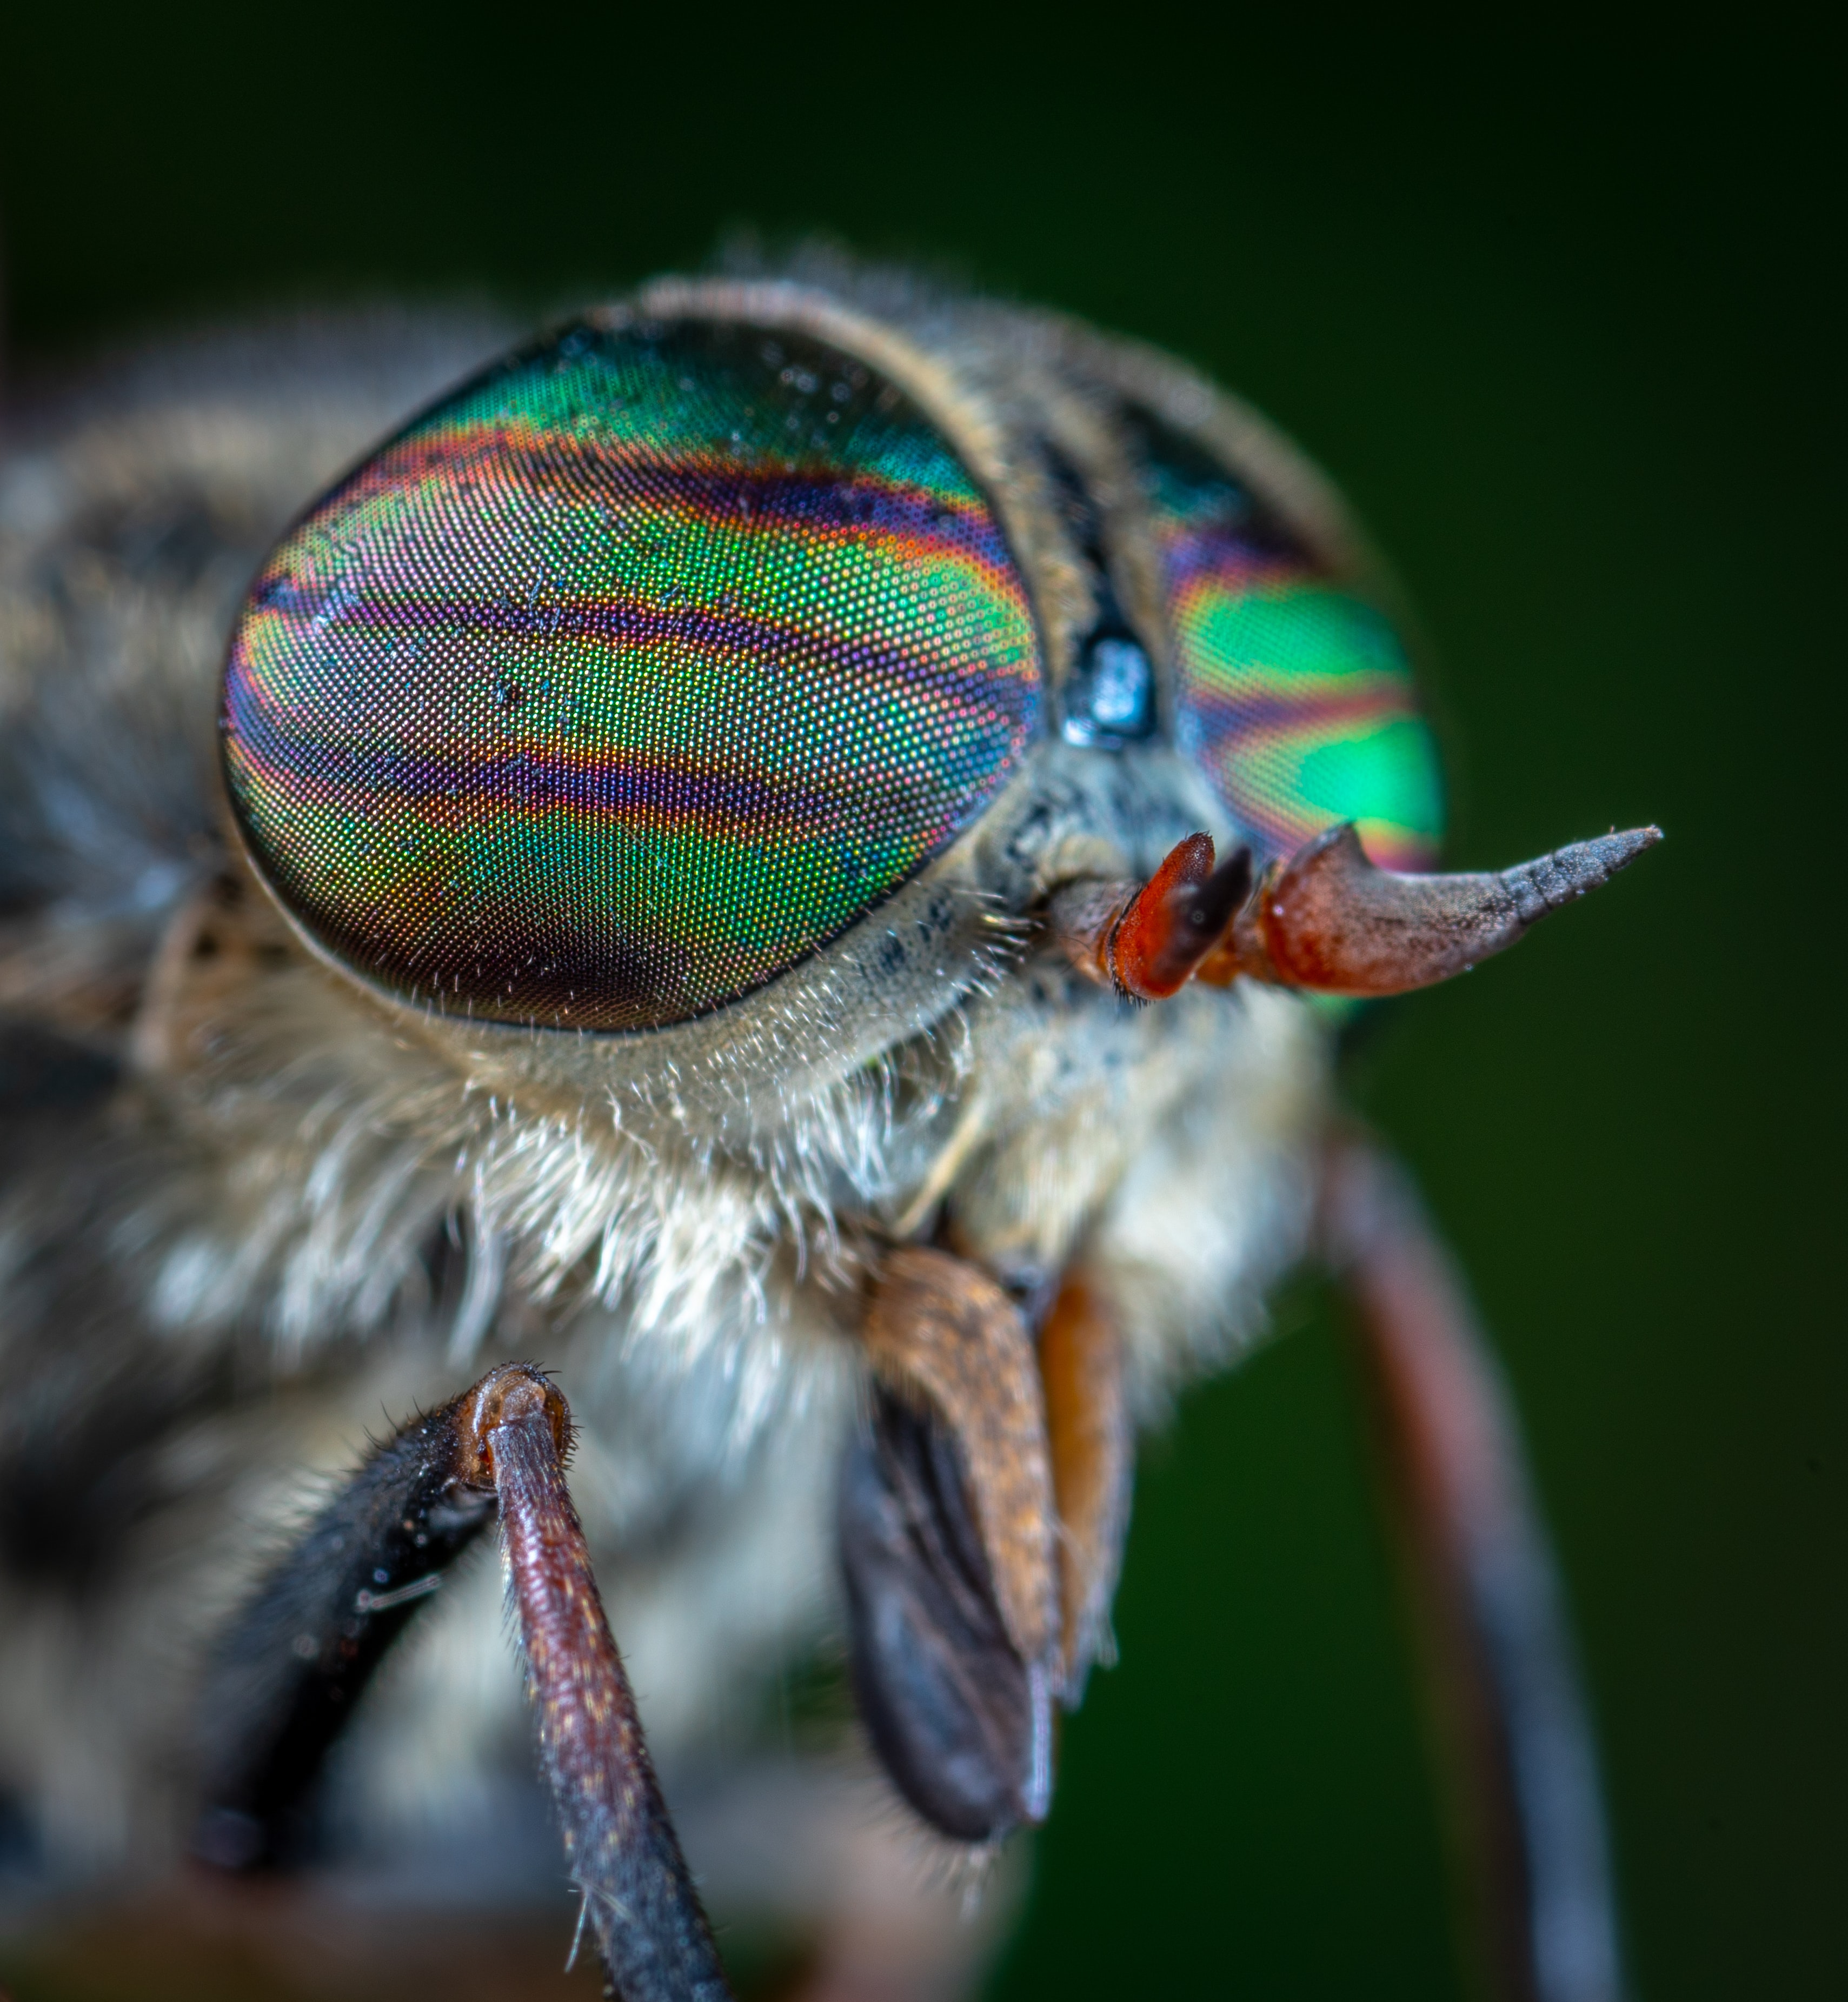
[1293, 694]
[628, 675]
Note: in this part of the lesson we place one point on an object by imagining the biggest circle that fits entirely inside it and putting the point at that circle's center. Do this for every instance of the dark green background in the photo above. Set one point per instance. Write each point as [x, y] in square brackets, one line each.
[1558, 313]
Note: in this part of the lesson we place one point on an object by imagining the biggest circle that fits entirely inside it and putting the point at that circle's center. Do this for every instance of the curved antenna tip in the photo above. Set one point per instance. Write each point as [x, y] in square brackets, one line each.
[1329, 920]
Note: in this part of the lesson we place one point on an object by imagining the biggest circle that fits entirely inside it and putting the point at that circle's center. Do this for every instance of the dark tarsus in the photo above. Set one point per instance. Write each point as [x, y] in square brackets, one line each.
[286, 1675]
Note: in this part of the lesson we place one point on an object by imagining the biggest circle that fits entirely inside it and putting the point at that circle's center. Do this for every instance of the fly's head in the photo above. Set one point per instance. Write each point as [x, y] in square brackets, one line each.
[694, 716]
[799, 761]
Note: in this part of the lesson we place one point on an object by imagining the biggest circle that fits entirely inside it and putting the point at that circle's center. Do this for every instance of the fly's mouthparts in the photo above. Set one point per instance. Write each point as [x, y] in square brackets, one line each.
[949, 1539]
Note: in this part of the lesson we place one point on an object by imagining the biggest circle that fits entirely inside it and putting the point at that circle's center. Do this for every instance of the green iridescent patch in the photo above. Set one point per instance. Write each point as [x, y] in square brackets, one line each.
[1293, 694]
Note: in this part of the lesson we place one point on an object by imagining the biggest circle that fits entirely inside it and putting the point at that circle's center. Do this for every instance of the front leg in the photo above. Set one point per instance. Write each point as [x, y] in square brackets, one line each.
[291, 1666]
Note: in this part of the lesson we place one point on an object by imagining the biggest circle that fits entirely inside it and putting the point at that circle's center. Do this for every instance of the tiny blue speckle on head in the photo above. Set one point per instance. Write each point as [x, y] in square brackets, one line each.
[1110, 695]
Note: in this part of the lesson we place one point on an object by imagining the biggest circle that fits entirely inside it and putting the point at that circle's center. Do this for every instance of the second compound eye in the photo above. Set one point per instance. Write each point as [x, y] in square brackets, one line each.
[631, 674]
[1293, 694]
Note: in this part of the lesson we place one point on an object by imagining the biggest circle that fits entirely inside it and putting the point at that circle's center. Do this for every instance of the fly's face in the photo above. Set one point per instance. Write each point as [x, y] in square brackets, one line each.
[698, 701]
[672, 733]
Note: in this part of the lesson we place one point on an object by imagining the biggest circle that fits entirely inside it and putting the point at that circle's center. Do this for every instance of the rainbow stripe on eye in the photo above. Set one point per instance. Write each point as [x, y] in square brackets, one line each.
[1293, 695]
[628, 677]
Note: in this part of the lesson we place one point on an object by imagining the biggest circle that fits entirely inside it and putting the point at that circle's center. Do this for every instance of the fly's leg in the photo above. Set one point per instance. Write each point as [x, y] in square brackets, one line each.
[640, 1900]
[290, 1669]
[285, 1676]
[1516, 1737]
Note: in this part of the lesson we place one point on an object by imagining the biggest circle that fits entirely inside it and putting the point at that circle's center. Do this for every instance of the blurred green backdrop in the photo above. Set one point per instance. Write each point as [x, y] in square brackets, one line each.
[1560, 315]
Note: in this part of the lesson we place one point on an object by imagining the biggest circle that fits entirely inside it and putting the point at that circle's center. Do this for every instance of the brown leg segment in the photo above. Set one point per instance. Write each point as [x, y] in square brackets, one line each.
[1518, 1743]
[639, 1897]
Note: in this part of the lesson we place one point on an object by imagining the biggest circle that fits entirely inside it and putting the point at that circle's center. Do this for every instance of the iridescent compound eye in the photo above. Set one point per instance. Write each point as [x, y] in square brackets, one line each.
[630, 674]
[1294, 695]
